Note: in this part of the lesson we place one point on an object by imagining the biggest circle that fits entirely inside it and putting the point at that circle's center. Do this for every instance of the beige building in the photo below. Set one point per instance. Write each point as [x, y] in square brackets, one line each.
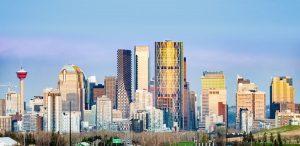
[12, 100]
[71, 86]
[116, 115]
[104, 112]
[143, 101]
[5, 123]
[141, 68]
[249, 97]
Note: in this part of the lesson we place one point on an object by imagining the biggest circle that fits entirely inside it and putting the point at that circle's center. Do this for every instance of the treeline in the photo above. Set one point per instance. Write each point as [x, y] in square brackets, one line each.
[37, 138]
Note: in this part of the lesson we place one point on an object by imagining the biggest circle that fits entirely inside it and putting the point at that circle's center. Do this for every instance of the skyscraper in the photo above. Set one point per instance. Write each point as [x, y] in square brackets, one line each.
[22, 74]
[192, 109]
[169, 80]
[282, 95]
[124, 81]
[186, 100]
[249, 98]
[110, 83]
[213, 97]
[141, 68]
[71, 85]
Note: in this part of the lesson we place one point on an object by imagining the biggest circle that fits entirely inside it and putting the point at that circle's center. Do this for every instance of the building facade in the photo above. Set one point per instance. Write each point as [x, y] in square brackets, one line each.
[141, 68]
[249, 97]
[5, 123]
[104, 113]
[71, 85]
[75, 122]
[98, 91]
[214, 98]
[246, 120]
[283, 118]
[169, 82]
[110, 83]
[89, 100]
[124, 82]
[53, 109]
[11, 100]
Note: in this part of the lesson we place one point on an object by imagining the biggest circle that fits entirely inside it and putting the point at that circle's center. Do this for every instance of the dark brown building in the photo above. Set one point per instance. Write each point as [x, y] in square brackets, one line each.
[110, 84]
[98, 91]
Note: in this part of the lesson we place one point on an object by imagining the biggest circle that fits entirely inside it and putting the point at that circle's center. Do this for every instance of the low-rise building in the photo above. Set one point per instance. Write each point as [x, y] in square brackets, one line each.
[285, 118]
[32, 122]
[75, 122]
[211, 121]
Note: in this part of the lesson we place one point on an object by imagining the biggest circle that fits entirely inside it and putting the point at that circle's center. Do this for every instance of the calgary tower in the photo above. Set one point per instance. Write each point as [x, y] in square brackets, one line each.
[21, 74]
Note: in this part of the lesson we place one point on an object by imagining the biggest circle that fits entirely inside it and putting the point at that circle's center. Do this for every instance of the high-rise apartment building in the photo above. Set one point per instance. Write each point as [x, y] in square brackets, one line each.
[124, 81]
[213, 97]
[249, 97]
[141, 68]
[110, 83]
[169, 82]
[104, 113]
[282, 95]
[53, 109]
[71, 85]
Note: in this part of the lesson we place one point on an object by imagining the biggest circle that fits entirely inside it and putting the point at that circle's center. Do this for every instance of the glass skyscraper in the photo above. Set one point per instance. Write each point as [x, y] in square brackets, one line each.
[169, 80]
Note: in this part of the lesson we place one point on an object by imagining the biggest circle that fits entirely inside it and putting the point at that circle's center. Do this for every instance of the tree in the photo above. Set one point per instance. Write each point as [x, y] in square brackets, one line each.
[251, 138]
[245, 137]
[279, 139]
[265, 137]
[272, 138]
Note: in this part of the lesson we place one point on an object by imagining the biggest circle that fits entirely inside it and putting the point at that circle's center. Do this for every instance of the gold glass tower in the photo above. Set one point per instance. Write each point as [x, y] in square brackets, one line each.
[282, 95]
[169, 79]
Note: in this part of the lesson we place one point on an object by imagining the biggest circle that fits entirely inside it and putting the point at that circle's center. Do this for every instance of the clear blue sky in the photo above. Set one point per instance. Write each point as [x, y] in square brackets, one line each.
[257, 39]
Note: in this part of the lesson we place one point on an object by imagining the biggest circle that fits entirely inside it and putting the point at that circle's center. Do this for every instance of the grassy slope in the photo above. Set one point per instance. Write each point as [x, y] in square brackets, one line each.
[285, 130]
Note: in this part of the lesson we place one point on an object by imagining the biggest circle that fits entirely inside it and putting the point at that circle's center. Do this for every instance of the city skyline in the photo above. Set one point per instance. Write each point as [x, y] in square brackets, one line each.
[218, 40]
